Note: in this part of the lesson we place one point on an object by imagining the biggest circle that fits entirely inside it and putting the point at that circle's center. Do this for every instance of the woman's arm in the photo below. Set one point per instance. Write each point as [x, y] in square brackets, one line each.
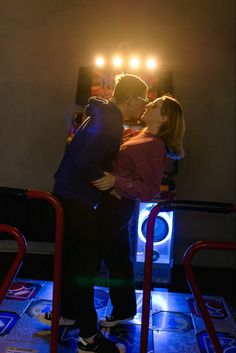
[144, 189]
[146, 168]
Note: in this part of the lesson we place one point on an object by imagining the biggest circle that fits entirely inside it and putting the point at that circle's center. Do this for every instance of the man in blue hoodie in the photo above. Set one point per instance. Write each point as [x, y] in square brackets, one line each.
[91, 151]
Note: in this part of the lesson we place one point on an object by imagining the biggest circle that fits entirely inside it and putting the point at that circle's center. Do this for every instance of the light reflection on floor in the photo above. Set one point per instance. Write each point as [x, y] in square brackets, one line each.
[175, 324]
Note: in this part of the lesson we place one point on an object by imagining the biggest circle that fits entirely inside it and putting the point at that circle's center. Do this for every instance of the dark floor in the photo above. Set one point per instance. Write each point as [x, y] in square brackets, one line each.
[212, 281]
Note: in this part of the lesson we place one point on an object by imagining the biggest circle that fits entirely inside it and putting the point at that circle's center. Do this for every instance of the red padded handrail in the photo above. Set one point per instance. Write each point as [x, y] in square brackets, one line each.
[147, 281]
[59, 226]
[190, 252]
[168, 205]
[16, 264]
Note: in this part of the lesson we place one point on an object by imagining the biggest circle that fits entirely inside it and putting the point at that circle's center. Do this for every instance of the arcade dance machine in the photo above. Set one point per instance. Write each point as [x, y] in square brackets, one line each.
[165, 322]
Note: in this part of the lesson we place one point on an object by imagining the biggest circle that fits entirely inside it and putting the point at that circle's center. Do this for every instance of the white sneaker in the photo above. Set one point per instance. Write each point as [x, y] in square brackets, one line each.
[47, 319]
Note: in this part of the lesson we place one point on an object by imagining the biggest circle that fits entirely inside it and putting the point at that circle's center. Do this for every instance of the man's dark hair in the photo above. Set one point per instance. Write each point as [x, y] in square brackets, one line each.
[128, 85]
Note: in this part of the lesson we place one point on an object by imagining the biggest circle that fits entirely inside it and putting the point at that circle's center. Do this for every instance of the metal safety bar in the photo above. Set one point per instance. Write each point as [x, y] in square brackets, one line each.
[190, 252]
[59, 225]
[169, 205]
[18, 260]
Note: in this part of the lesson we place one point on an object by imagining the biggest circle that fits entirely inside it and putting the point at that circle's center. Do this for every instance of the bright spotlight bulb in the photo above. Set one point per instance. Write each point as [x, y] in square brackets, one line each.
[100, 61]
[117, 61]
[151, 63]
[134, 63]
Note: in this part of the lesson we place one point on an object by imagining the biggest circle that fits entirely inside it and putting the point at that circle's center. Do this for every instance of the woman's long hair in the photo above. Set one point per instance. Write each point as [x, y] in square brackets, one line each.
[172, 132]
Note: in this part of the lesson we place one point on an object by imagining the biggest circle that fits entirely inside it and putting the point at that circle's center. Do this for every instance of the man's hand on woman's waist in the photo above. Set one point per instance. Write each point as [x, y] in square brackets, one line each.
[106, 182]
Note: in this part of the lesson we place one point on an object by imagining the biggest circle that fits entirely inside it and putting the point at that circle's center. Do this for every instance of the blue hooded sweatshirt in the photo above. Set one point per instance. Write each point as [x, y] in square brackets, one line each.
[91, 151]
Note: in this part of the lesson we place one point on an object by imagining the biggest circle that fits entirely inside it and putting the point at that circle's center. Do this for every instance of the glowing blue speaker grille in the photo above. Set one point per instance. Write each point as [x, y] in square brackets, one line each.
[161, 229]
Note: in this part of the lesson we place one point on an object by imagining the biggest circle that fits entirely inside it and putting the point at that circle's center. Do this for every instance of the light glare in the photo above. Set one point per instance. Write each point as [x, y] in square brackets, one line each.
[151, 63]
[117, 61]
[134, 63]
[100, 61]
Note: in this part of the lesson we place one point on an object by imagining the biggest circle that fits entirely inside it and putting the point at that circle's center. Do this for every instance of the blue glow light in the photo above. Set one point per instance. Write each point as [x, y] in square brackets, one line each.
[163, 225]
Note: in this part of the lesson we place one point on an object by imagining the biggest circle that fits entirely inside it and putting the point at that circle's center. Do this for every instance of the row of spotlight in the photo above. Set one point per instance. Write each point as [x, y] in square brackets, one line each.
[133, 63]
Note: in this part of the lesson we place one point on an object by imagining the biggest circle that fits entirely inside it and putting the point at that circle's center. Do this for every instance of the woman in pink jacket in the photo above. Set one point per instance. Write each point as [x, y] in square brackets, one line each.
[137, 175]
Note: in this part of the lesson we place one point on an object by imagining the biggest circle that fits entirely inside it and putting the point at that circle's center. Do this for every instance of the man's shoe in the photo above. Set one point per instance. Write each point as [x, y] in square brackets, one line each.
[110, 321]
[101, 345]
[47, 319]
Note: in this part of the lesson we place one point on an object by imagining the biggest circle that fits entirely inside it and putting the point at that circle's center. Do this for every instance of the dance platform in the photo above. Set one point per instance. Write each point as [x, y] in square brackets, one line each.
[175, 323]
